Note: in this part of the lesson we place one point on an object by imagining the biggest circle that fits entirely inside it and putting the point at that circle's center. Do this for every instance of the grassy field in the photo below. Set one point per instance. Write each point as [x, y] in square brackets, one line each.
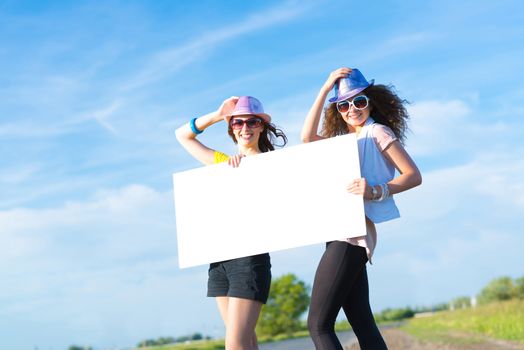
[501, 320]
[504, 320]
[219, 344]
[194, 345]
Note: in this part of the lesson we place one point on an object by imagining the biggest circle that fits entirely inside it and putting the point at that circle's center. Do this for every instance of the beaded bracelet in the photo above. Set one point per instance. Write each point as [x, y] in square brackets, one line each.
[193, 127]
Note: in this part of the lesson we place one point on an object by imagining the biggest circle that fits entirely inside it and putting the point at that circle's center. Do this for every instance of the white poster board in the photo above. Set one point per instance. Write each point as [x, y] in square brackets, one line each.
[278, 200]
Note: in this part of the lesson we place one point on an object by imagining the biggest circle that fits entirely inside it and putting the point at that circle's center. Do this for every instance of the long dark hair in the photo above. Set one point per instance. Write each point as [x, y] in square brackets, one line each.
[267, 139]
[387, 108]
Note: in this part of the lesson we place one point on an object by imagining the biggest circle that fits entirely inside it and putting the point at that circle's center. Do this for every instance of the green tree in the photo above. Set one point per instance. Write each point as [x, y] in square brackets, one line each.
[460, 303]
[146, 343]
[501, 288]
[157, 342]
[519, 287]
[197, 336]
[76, 347]
[165, 340]
[288, 300]
[394, 314]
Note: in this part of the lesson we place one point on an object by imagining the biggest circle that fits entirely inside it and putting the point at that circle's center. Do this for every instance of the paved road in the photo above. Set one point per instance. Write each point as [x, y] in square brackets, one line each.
[304, 343]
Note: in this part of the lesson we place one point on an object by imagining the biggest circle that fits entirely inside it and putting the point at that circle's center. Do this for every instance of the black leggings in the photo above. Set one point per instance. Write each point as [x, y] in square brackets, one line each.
[341, 281]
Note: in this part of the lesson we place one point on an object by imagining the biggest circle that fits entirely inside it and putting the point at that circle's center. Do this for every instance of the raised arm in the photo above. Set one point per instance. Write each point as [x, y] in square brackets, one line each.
[310, 128]
[188, 139]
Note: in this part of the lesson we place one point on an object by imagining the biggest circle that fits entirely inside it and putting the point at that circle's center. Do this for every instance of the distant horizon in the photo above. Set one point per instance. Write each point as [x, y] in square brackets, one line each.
[93, 91]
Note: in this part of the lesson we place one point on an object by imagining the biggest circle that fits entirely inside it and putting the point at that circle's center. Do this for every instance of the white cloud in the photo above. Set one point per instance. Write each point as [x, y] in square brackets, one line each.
[495, 179]
[500, 178]
[436, 126]
[458, 231]
[92, 264]
[113, 224]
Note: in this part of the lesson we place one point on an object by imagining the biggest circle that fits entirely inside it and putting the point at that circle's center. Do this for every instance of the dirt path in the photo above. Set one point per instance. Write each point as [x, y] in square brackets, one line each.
[399, 340]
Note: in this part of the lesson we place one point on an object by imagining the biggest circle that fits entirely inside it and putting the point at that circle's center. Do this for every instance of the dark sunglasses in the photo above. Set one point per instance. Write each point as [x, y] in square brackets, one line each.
[251, 123]
[360, 102]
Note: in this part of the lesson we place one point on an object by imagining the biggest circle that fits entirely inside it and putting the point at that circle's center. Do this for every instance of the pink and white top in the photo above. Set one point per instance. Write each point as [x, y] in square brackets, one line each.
[372, 140]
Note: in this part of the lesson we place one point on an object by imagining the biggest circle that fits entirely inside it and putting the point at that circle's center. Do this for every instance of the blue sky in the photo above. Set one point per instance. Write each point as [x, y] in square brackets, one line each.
[90, 96]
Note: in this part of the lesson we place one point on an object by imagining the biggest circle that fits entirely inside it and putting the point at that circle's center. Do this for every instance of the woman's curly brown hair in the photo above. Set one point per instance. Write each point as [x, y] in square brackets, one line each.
[268, 136]
[386, 108]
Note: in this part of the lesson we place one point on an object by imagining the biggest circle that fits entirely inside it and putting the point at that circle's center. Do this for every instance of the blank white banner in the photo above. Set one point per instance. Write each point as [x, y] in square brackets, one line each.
[278, 200]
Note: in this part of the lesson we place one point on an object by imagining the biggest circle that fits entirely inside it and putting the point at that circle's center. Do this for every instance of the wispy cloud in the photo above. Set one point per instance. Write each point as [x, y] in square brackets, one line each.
[170, 60]
[18, 175]
[101, 116]
[29, 129]
[408, 41]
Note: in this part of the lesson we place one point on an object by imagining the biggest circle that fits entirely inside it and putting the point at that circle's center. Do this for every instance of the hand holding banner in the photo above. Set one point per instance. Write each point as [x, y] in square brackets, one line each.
[276, 200]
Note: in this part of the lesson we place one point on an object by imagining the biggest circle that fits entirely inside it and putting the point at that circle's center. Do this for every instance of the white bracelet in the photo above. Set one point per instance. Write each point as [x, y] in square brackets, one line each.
[385, 193]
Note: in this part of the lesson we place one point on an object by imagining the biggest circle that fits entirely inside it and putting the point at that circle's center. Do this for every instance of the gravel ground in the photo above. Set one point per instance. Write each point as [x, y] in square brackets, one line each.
[399, 340]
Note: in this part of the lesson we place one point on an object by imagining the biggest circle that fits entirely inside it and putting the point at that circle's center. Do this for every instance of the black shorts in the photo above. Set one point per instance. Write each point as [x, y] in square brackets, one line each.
[247, 278]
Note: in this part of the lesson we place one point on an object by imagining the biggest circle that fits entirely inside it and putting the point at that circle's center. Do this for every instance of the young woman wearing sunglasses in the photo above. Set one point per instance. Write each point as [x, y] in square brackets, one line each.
[241, 285]
[378, 117]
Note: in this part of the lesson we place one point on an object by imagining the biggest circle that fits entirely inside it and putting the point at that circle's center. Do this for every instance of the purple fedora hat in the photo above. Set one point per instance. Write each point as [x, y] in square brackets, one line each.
[350, 86]
[248, 105]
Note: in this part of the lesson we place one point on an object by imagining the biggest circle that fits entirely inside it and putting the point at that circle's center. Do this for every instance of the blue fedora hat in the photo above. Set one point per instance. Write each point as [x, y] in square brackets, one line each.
[350, 86]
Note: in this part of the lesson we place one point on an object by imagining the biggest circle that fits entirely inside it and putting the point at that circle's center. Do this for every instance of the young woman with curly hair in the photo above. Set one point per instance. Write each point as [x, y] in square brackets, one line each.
[378, 117]
[241, 285]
